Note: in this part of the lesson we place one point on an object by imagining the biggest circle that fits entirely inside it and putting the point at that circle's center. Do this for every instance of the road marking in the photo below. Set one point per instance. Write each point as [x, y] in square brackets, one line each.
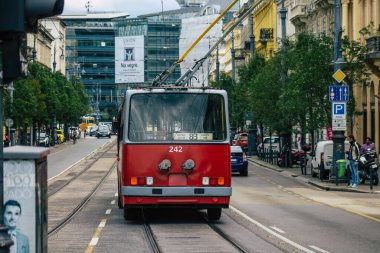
[294, 244]
[278, 230]
[108, 211]
[103, 223]
[318, 249]
[94, 241]
[113, 202]
[363, 215]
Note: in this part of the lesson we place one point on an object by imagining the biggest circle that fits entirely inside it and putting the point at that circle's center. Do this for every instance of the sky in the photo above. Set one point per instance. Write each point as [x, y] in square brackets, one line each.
[132, 7]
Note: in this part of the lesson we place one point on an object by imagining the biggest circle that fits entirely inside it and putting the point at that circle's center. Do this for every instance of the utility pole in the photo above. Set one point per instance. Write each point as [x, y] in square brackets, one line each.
[54, 62]
[286, 136]
[338, 136]
[252, 37]
[34, 52]
[217, 64]
[233, 59]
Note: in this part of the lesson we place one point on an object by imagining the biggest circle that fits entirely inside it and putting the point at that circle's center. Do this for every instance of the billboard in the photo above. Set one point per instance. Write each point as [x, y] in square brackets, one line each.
[129, 59]
[20, 204]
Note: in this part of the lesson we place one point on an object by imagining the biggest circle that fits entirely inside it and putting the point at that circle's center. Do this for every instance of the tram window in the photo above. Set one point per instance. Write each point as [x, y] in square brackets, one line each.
[181, 116]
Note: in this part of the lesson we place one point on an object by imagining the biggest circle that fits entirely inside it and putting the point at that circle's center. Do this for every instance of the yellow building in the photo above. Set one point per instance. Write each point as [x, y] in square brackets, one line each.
[265, 32]
[356, 15]
[265, 24]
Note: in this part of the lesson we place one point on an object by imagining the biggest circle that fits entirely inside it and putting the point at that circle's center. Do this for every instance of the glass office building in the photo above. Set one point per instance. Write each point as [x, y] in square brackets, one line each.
[90, 52]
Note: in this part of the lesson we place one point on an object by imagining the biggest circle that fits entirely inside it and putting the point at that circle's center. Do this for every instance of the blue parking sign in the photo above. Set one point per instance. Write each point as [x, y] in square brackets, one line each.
[339, 110]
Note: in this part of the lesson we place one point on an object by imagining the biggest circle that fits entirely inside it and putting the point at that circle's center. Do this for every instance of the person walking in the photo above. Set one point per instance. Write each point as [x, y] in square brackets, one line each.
[353, 158]
[75, 133]
[368, 145]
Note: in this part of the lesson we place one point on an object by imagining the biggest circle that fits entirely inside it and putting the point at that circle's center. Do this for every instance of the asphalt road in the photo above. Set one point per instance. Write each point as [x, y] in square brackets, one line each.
[70, 154]
[311, 219]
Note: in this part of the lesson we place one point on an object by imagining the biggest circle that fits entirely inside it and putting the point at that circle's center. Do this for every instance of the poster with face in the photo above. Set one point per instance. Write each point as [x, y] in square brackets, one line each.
[20, 204]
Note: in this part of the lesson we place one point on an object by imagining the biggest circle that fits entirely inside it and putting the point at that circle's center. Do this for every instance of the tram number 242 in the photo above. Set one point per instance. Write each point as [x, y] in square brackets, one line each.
[175, 149]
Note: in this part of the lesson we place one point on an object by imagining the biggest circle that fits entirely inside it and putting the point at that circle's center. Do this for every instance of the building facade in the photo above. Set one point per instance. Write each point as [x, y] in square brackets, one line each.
[360, 20]
[90, 54]
[57, 29]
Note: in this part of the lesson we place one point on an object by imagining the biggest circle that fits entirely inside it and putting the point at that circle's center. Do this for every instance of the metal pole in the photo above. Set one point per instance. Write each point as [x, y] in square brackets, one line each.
[34, 52]
[233, 59]
[54, 62]
[252, 37]
[338, 136]
[5, 241]
[283, 12]
[217, 64]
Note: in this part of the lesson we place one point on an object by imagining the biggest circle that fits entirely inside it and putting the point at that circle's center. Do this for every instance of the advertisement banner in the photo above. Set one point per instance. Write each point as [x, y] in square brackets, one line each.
[19, 204]
[129, 59]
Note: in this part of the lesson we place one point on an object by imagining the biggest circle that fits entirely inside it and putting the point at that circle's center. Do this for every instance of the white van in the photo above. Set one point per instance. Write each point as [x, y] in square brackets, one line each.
[322, 159]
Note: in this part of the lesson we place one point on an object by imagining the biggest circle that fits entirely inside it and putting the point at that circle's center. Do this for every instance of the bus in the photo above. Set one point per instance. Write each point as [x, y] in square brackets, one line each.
[86, 121]
[173, 150]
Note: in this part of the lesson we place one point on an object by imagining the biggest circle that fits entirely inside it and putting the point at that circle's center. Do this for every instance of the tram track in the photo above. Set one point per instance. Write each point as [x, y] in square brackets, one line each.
[54, 189]
[224, 235]
[153, 234]
[67, 200]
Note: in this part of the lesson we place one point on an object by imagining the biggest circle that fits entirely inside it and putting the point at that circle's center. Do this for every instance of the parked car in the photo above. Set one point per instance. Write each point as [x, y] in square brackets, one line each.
[239, 162]
[241, 140]
[103, 131]
[43, 139]
[60, 136]
[270, 142]
[93, 130]
[322, 158]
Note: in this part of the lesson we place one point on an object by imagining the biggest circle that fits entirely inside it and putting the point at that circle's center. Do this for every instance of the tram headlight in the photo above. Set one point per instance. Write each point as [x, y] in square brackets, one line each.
[189, 164]
[165, 165]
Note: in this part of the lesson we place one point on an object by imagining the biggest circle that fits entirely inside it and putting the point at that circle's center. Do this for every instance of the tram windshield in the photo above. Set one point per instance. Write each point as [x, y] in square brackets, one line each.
[177, 117]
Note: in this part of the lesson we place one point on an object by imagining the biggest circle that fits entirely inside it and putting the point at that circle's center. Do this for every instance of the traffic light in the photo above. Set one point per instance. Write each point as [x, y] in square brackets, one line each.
[36, 9]
[18, 17]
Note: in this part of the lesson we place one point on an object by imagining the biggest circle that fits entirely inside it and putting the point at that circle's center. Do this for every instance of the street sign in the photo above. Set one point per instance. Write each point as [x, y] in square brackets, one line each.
[339, 110]
[9, 122]
[339, 125]
[338, 93]
[339, 75]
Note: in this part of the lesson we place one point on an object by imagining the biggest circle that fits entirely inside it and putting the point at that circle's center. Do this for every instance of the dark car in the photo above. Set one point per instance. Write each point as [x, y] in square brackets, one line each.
[103, 131]
[239, 162]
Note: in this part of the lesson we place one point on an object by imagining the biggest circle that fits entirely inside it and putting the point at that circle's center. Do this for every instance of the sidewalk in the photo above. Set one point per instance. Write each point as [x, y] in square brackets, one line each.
[295, 172]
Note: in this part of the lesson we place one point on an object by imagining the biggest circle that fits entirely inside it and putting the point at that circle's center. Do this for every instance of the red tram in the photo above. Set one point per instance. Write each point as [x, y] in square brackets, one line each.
[173, 150]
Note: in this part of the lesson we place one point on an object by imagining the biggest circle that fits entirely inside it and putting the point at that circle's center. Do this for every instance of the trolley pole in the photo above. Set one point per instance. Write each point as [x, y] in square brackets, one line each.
[338, 136]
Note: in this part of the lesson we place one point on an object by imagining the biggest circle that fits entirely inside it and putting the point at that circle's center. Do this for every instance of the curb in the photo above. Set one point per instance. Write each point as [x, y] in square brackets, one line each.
[315, 184]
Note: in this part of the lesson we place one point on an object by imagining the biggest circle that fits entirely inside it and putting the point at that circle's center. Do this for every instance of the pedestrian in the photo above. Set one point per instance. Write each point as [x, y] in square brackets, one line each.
[353, 158]
[368, 145]
[84, 133]
[6, 141]
[74, 135]
[12, 215]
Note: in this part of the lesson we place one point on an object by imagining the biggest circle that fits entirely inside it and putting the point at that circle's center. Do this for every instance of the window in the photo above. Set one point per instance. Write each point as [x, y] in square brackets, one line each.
[177, 117]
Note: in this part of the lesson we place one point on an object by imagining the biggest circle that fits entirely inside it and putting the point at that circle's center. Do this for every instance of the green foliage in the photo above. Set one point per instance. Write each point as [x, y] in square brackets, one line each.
[45, 95]
[292, 89]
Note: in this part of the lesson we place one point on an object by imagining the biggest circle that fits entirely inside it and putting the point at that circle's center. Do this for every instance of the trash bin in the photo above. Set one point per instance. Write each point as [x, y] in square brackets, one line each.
[341, 164]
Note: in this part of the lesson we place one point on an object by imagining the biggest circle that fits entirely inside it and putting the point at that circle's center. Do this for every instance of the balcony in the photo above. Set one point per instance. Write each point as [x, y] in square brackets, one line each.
[298, 12]
[372, 57]
[266, 34]
[239, 53]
